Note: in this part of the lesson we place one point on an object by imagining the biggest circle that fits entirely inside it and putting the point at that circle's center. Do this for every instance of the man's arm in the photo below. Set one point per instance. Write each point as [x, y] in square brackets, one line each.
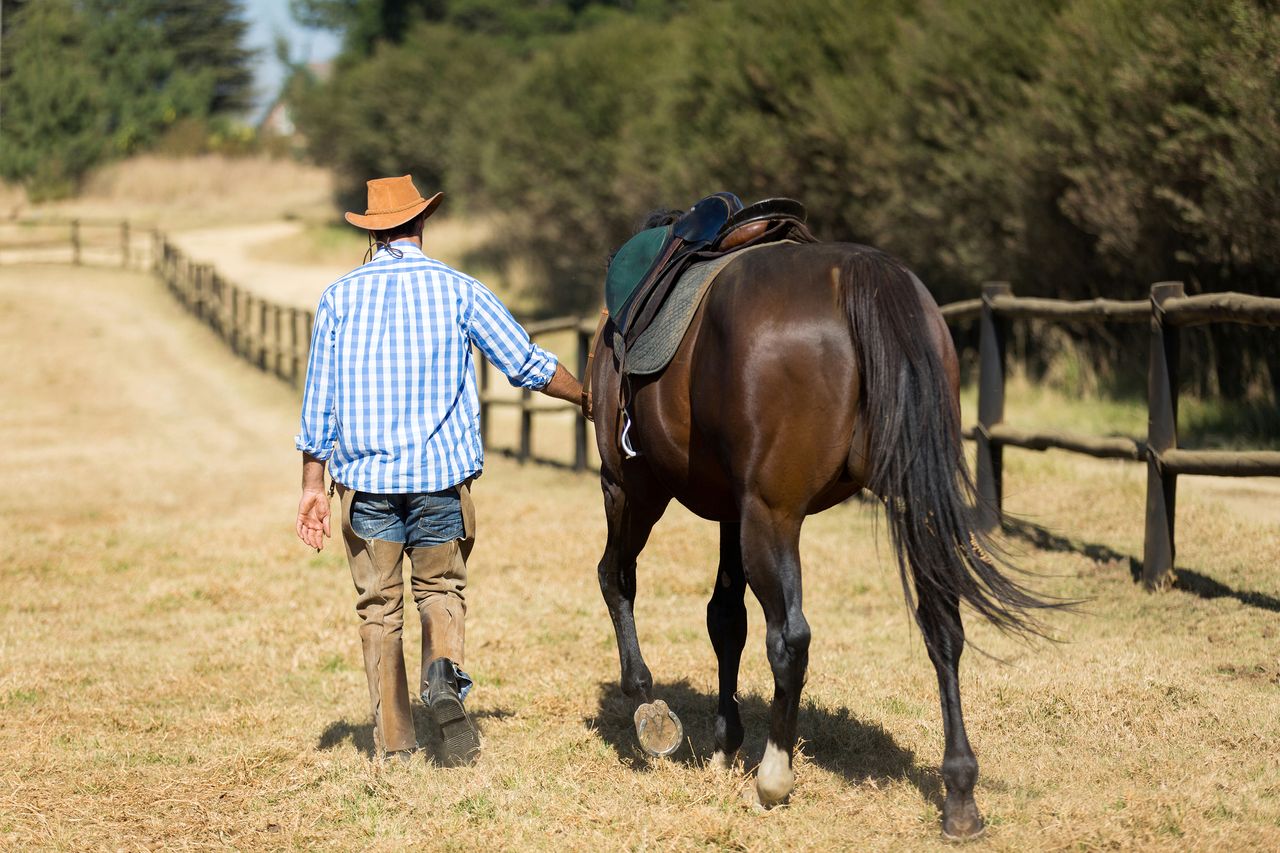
[563, 386]
[317, 432]
[313, 507]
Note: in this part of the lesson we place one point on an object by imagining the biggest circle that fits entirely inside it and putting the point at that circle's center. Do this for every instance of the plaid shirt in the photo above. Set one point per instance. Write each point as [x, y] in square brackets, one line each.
[391, 392]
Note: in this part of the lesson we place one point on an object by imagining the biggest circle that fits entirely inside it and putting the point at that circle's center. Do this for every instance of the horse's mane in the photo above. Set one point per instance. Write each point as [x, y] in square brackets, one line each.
[655, 218]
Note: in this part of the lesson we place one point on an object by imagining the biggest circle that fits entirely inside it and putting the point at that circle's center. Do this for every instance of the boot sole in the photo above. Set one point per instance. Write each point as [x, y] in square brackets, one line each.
[460, 744]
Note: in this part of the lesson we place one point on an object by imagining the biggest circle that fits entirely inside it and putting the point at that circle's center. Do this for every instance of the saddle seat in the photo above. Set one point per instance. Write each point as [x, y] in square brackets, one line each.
[645, 270]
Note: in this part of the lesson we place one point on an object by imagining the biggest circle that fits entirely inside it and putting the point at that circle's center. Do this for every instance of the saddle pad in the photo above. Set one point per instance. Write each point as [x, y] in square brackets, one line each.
[658, 344]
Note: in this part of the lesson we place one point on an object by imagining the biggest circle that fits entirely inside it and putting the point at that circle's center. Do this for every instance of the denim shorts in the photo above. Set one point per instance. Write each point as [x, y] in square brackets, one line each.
[414, 520]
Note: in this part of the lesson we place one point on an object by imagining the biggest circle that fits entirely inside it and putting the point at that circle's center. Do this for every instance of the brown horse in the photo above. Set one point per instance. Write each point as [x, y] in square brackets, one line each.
[810, 371]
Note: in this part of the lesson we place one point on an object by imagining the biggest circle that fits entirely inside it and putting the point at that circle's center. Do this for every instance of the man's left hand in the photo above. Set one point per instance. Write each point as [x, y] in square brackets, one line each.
[313, 518]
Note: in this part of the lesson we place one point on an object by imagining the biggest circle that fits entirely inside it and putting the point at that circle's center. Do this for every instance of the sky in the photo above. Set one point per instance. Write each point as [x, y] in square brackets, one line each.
[268, 19]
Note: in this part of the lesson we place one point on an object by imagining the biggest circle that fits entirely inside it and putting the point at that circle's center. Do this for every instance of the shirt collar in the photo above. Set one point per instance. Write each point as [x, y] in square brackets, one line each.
[408, 247]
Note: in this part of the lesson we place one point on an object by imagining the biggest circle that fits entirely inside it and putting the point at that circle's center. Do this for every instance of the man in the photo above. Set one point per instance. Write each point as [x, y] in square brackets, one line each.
[390, 404]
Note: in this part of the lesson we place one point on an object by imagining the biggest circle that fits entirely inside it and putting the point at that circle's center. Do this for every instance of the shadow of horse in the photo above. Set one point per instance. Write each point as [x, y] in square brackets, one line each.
[836, 740]
[1185, 580]
[360, 735]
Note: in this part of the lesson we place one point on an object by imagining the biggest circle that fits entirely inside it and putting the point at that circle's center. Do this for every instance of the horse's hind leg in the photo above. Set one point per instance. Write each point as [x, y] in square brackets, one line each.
[631, 515]
[771, 559]
[727, 626]
[960, 817]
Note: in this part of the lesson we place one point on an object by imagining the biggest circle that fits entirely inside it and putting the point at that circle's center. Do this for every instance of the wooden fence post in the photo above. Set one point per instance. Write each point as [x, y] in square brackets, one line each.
[295, 363]
[526, 425]
[220, 305]
[1162, 434]
[482, 368]
[278, 333]
[199, 288]
[580, 421]
[124, 243]
[991, 368]
[261, 355]
[75, 241]
[247, 326]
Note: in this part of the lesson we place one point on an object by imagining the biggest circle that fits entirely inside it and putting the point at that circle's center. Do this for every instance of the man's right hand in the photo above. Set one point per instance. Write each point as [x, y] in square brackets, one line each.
[563, 386]
[313, 518]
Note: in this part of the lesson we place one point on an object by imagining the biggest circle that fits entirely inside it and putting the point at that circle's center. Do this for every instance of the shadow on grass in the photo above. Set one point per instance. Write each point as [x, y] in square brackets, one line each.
[1186, 580]
[1206, 587]
[834, 740]
[360, 735]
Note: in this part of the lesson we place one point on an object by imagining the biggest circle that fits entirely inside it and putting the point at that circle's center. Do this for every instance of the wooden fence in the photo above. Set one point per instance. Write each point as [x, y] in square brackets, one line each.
[276, 339]
[1168, 310]
[98, 242]
[528, 405]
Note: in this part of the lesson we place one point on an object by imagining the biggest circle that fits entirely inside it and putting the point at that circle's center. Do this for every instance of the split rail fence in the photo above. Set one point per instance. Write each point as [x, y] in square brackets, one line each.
[1167, 311]
[276, 339]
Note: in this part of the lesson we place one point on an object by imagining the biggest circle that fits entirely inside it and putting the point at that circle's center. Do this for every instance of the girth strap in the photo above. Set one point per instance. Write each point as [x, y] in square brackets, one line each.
[588, 410]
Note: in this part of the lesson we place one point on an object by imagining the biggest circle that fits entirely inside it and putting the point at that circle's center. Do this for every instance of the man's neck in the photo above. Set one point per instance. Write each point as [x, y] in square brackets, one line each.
[417, 241]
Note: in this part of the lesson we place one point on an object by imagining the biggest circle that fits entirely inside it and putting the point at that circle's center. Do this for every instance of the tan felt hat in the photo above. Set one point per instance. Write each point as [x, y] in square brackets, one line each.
[393, 201]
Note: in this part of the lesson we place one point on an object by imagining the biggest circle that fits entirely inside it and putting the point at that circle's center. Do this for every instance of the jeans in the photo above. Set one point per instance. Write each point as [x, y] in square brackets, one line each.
[415, 520]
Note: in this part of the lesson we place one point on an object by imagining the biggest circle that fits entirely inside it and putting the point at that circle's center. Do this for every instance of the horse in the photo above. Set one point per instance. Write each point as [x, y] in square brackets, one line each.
[810, 371]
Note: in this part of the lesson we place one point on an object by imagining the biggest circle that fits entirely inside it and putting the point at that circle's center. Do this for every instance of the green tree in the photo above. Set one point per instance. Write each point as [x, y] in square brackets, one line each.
[55, 121]
[84, 80]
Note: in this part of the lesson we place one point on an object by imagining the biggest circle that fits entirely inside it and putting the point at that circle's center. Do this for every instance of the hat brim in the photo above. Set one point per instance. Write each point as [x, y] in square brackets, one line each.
[383, 221]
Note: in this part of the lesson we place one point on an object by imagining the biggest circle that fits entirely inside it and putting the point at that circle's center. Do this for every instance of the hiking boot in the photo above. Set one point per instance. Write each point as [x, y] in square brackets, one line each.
[459, 742]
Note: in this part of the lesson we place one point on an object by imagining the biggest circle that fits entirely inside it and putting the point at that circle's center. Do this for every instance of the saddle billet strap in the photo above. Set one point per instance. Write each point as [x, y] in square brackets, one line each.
[588, 410]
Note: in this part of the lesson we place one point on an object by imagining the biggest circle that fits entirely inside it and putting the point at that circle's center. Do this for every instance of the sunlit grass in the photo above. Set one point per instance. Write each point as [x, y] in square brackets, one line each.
[177, 671]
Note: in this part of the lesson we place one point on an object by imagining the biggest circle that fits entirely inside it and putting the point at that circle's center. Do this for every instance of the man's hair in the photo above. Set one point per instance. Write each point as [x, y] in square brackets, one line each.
[404, 229]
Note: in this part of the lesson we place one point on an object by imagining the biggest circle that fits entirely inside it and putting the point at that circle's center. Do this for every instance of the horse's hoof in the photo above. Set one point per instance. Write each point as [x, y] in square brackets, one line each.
[962, 823]
[721, 761]
[750, 798]
[658, 728]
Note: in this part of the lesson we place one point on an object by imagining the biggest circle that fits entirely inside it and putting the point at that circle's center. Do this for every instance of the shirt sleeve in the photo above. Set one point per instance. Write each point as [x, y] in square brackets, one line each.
[319, 429]
[490, 326]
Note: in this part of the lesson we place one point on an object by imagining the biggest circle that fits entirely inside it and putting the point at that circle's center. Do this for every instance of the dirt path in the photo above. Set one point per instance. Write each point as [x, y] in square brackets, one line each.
[232, 250]
[176, 671]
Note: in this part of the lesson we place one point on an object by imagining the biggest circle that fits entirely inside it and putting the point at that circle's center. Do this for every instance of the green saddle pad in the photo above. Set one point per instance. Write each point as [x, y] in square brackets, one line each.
[629, 266]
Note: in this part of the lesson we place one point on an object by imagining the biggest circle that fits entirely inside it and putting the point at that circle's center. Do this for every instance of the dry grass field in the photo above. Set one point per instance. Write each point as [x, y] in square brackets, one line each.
[178, 672]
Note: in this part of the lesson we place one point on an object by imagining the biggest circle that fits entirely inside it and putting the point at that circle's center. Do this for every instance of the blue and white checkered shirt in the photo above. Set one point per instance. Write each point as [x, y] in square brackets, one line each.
[391, 392]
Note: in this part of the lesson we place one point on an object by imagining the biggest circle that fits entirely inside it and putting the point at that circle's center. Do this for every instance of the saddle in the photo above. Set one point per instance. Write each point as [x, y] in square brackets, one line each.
[644, 272]
[646, 268]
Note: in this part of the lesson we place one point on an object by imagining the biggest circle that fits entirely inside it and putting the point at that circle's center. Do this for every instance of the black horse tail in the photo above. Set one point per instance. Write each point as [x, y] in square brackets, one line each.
[916, 459]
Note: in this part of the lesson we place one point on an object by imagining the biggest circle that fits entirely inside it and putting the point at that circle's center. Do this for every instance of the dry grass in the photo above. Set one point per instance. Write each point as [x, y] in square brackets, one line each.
[179, 672]
[185, 192]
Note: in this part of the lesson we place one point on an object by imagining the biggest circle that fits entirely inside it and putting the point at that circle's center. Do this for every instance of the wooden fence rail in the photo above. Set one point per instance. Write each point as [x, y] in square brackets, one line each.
[1168, 309]
[276, 339]
[99, 242]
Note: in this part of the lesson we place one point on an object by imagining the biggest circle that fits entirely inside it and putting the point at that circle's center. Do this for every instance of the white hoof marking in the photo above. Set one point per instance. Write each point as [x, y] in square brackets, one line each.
[774, 779]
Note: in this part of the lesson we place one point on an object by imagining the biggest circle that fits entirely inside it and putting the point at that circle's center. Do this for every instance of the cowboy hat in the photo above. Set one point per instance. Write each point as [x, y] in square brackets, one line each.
[392, 202]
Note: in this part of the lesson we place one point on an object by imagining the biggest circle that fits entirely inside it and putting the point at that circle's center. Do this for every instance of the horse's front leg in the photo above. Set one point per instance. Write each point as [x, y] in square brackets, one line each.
[771, 559]
[727, 627]
[631, 516]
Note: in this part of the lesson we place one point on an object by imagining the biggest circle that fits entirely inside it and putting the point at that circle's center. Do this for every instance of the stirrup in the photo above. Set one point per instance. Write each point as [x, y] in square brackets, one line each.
[627, 449]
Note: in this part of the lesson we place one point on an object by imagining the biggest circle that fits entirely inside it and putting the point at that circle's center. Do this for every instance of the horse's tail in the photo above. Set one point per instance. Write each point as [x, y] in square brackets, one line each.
[916, 461]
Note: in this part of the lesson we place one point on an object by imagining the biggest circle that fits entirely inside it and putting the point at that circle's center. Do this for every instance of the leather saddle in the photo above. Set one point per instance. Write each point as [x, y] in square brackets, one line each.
[646, 268]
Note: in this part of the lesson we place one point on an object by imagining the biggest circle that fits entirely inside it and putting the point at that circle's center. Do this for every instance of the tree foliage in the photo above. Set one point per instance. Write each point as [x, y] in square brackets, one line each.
[85, 80]
[1076, 147]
